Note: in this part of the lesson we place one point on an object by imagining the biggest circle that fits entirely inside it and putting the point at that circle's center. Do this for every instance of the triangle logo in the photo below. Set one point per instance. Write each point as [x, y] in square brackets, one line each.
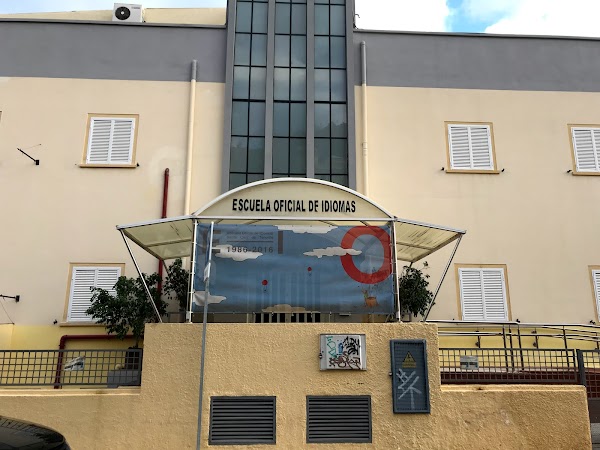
[409, 362]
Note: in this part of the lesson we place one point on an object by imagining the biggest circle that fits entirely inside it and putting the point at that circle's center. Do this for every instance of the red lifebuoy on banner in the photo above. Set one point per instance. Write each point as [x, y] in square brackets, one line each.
[348, 263]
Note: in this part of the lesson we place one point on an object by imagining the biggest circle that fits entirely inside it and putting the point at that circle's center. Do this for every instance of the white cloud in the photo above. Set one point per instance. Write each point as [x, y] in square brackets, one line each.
[199, 298]
[317, 229]
[240, 253]
[406, 15]
[556, 17]
[489, 9]
[332, 251]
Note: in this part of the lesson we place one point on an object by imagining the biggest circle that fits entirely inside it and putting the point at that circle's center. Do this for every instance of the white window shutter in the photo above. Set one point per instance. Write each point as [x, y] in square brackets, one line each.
[586, 145]
[471, 294]
[82, 280]
[494, 295]
[470, 147]
[596, 280]
[111, 140]
[483, 294]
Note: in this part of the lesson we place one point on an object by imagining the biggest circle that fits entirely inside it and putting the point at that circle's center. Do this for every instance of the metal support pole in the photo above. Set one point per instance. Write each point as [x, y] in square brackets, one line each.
[581, 367]
[188, 315]
[150, 299]
[204, 321]
[437, 289]
[395, 272]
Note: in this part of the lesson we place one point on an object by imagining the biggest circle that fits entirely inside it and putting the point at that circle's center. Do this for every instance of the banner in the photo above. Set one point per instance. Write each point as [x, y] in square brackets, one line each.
[292, 268]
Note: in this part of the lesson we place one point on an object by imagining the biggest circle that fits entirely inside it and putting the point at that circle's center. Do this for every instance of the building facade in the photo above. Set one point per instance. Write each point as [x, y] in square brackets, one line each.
[497, 135]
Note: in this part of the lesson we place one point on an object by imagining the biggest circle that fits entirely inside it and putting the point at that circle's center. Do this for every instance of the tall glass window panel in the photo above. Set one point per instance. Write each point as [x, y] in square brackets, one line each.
[258, 83]
[298, 51]
[322, 156]
[322, 120]
[259, 50]
[239, 119]
[281, 84]
[259, 17]
[297, 156]
[239, 154]
[339, 121]
[321, 51]
[321, 85]
[339, 156]
[241, 82]
[321, 20]
[282, 51]
[338, 85]
[242, 50]
[236, 180]
[337, 15]
[299, 19]
[256, 155]
[281, 155]
[298, 85]
[337, 51]
[256, 125]
[298, 119]
[282, 18]
[281, 119]
[243, 21]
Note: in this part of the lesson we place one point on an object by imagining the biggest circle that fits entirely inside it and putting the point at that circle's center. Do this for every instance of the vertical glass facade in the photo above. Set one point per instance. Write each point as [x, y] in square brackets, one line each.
[289, 89]
[331, 113]
[304, 47]
[247, 148]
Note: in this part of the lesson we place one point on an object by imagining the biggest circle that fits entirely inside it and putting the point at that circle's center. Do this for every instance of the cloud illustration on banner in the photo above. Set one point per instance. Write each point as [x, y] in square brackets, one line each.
[226, 251]
[284, 308]
[332, 251]
[298, 229]
[199, 298]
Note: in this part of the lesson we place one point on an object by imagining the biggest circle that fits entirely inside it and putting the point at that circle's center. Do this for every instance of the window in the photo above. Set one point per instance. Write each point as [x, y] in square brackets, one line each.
[470, 148]
[242, 420]
[341, 419]
[586, 149]
[111, 141]
[595, 274]
[83, 278]
[483, 293]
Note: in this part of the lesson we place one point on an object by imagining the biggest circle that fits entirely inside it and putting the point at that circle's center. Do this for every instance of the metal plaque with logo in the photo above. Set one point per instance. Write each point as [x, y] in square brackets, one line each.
[343, 352]
[410, 384]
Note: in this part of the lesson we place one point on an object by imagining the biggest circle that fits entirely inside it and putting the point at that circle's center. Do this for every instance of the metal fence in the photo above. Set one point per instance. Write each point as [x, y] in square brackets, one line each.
[58, 368]
[508, 365]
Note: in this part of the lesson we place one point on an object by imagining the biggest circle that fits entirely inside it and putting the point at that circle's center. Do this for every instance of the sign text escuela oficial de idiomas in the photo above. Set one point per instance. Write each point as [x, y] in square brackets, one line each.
[286, 205]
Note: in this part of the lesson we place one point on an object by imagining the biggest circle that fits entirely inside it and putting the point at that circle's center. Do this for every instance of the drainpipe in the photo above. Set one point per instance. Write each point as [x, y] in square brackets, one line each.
[190, 139]
[365, 150]
[80, 337]
[165, 199]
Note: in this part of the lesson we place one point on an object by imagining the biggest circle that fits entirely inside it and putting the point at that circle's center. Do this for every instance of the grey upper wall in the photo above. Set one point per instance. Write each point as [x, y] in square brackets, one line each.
[107, 51]
[479, 61]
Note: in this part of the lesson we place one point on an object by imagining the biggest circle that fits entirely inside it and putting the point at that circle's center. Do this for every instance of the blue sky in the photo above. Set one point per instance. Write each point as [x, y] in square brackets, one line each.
[558, 17]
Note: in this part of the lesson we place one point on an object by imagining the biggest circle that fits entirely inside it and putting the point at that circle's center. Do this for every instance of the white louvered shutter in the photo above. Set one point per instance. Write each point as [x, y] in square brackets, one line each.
[471, 294]
[111, 141]
[596, 280]
[483, 294]
[84, 278]
[586, 144]
[470, 147]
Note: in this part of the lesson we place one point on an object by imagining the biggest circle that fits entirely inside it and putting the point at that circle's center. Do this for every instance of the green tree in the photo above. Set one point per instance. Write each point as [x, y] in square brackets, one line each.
[414, 293]
[177, 283]
[129, 308]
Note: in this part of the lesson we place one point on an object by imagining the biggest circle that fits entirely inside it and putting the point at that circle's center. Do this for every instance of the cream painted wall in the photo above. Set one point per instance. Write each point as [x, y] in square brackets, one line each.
[282, 360]
[57, 213]
[535, 218]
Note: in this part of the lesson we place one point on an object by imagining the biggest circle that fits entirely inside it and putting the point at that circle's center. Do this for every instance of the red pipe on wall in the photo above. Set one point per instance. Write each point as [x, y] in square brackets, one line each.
[82, 337]
[165, 199]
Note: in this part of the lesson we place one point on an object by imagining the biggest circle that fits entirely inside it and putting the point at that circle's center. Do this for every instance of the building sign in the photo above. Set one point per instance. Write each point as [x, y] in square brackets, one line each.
[469, 362]
[410, 385]
[292, 198]
[294, 269]
[343, 352]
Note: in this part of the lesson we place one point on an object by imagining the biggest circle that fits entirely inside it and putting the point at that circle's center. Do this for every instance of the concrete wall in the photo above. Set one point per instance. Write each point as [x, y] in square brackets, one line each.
[59, 213]
[282, 360]
[534, 217]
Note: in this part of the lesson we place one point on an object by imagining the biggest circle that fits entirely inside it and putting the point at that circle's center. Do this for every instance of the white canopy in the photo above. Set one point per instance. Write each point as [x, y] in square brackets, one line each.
[289, 201]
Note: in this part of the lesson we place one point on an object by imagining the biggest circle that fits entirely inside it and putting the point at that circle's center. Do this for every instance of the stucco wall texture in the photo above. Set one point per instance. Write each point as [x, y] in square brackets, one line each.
[282, 360]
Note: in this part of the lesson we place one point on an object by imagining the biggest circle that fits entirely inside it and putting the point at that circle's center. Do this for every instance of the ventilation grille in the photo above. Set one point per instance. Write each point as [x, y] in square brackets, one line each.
[242, 420]
[338, 419]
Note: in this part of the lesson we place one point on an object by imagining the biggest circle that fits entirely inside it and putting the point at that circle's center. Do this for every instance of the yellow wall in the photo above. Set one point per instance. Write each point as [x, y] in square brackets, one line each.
[534, 217]
[282, 360]
[59, 213]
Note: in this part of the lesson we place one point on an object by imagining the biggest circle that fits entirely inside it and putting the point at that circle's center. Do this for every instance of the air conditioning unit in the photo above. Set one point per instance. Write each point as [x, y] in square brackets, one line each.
[126, 12]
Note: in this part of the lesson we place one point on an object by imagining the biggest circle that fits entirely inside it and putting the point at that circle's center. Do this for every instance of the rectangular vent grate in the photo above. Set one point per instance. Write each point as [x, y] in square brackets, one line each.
[242, 420]
[338, 419]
